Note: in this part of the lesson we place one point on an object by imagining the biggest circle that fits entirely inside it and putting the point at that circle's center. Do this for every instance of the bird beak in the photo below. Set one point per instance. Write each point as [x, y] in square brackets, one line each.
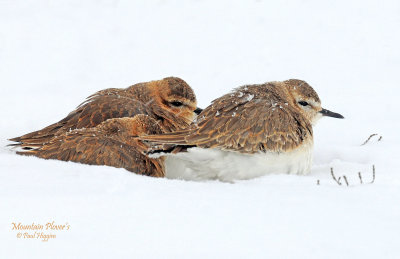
[198, 110]
[328, 113]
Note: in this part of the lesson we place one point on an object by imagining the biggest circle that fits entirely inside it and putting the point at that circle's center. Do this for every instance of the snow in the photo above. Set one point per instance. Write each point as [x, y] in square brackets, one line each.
[249, 97]
[55, 54]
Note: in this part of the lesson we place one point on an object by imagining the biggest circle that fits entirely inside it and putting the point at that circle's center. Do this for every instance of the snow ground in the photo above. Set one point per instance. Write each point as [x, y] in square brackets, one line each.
[55, 54]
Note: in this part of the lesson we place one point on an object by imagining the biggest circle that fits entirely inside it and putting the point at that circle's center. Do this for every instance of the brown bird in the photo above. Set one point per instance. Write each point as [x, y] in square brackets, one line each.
[170, 101]
[100, 131]
[112, 143]
[253, 131]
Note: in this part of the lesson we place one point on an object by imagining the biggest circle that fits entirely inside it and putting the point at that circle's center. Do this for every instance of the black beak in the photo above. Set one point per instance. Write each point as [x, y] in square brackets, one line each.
[198, 110]
[328, 113]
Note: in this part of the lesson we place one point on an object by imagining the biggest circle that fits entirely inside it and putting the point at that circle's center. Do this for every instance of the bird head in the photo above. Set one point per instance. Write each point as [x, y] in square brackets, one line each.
[307, 100]
[175, 101]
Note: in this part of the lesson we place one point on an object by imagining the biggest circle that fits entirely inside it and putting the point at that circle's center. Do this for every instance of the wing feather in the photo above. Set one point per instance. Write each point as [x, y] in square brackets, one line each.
[103, 145]
[248, 126]
[98, 108]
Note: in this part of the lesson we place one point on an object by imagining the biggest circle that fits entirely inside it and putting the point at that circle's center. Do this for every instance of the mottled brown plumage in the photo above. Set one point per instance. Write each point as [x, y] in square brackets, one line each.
[266, 117]
[158, 99]
[101, 130]
[111, 143]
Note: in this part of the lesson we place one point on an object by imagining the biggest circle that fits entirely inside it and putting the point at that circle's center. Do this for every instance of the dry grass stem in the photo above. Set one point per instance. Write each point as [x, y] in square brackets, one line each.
[368, 139]
[334, 178]
[359, 176]
[345, 179]
[373, 174]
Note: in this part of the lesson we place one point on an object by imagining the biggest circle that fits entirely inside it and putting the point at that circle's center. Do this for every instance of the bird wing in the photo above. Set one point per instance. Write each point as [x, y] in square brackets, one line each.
[97, 108]
[244, 125]
[89, 146]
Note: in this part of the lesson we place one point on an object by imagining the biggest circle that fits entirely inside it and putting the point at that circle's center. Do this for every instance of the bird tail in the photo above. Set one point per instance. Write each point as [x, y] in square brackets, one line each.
[38, 137]
[172, 142]
[168, 138]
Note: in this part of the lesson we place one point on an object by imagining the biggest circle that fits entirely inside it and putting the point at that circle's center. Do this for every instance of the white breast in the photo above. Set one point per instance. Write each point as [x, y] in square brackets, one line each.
[206, 164]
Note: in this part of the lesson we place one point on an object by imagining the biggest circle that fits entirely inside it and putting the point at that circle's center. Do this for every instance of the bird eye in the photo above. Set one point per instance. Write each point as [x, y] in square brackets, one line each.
[176, 103]
[303, 103]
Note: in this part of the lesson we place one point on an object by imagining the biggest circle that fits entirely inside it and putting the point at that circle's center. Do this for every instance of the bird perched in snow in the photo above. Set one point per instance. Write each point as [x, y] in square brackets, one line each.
[253, 131]
[112, 142]
[99, 131]
[170, 101]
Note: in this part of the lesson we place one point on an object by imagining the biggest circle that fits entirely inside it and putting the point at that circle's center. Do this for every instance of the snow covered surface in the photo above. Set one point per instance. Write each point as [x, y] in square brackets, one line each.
[55, 54]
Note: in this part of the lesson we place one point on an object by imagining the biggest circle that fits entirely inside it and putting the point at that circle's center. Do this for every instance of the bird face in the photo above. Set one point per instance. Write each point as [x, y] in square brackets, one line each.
[176, 100]
[180, 106]
[307, 101]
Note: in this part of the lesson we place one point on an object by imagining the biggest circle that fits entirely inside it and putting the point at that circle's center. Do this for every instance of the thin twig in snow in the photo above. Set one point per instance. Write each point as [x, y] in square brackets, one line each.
[373, 174]
[359, 176]
[345, 179]
[368, 139]
[334, 178]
